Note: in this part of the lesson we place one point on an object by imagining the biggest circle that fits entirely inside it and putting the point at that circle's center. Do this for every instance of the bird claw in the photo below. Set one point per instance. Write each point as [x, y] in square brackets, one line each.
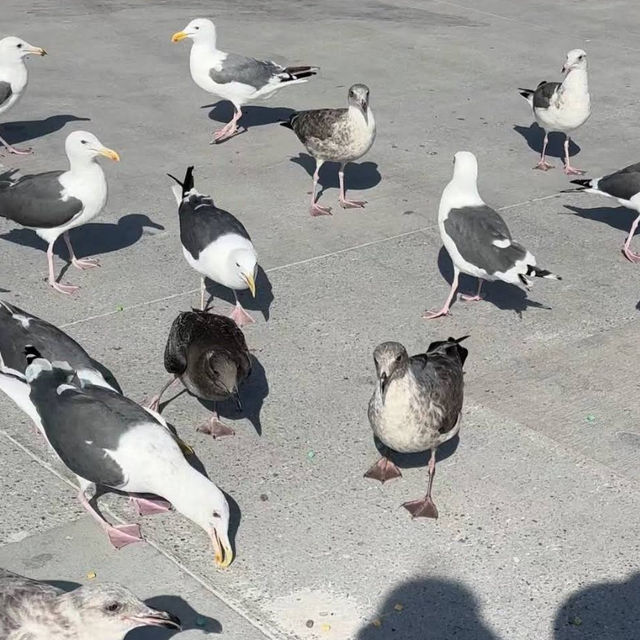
[124, 534]
[572, 171]
[383, 470]
[352, 204]
[544, 166]
[241, 317]
[85, 263]
[67, 289]
[216, 429]
[468, 298]
[424, 508]
[431, 315]
[318, 210]
[630, 255]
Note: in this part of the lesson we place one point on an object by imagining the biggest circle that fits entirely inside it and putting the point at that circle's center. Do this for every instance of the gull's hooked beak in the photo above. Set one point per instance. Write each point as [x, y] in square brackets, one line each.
[109, 153]
[179, 35]
[157, 618]
[383, 384]
[250, 283]
[223, 551]
[564, 68]
[37, 51]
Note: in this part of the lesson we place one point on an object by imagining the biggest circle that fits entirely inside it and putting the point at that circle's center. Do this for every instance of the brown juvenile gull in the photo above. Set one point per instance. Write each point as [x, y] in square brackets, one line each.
[209, 355]
[336, 135]
[14, 76]
[33, 610]
[416, 406]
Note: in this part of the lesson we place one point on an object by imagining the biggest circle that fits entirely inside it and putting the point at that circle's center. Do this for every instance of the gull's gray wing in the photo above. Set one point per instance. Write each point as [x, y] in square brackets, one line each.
[544, 94]
[5, 92]
[236, 68]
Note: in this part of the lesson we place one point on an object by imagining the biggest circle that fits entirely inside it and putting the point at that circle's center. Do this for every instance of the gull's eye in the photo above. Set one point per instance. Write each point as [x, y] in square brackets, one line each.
[398, 358]
[216, 514]
[19, 45]
[196, 28]
[113, 607]
[84, 142]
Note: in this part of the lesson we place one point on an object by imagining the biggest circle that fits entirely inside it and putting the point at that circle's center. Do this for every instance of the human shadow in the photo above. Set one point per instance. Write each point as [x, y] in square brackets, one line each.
[357, 175]
[262, 301]
[617, 217]
[432, 608]
[24, 130]
[604, 611]
[504, 296]
[534, 135]
[93, 238]
[252, 115]
[420, 459]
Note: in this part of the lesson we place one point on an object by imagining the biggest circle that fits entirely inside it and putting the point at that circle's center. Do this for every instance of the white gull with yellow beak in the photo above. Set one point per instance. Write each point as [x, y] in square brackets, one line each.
[54, 202]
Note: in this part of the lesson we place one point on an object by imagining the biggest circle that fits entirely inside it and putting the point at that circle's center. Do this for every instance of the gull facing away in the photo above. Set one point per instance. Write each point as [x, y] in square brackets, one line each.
[34, 610]
[415, 407]
[624, 186]
[562, 106]
[109, 441]
[14, 76]
[234, 77]
[55, 202]
[215, 244]
[477, 238]
[336, 135]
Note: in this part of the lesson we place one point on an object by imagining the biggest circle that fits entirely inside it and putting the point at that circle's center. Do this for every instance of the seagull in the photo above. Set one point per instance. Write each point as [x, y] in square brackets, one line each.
[477, 238]
[336, 135]
[233, 77]
[39, 611]
[215, 244]
[416, 406]
[624, 186]
[109, 441]
[209, 355]
[54, 202]
[562, 106]
[14, 77]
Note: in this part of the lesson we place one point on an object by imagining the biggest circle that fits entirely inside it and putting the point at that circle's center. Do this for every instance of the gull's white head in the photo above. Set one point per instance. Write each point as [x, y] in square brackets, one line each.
[14, 50]
[201, 30]
[84, 146]
[465, 166]
[576, 59]
[244, 265]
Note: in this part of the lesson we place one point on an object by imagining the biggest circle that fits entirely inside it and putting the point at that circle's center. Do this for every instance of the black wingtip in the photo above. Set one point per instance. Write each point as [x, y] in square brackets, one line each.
[286, 124]
[187, 183]
[31, 353]
[583, 182]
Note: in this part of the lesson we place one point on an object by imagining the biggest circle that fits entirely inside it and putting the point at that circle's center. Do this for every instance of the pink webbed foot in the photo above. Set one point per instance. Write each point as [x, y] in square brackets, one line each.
[225, 133]
[319, 210]
[154, 404]
[85, 263]
[383, 470]
[424, 508]
[123, 534]
[630, 255]
[146, 507]
[543, 165]
[352, 204]
[572, 171]
[19, 152]
[216, 428]
[241, 317]
[432, 315]
[468, 298]
[67, 289]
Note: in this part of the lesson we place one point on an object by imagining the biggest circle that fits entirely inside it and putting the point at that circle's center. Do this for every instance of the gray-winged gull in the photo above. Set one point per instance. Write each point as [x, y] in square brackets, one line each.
[336, 135]
[14, 76]
[416, 406]
[562, 106]
[231, 76]
[477, 238]
[34, 610]
[54, 202]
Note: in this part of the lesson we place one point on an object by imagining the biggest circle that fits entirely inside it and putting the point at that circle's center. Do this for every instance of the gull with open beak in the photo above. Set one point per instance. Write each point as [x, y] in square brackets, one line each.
[14, 76]
[216, 244]
[54, 202]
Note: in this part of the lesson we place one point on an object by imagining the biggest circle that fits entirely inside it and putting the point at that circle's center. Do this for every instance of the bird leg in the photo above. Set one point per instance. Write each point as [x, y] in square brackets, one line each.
[383, 470]
[626, 249]
[62, 288]
[215, 427]
[316, 209]
[543, 165]
[120, 535]
[239, 315]
[15, 150]
[568, 169]
[475, 298]
[84, 263]
[154, 403]
[430, 315]
[425, 508]
[148, 506]
[344, 203]
[230, 129]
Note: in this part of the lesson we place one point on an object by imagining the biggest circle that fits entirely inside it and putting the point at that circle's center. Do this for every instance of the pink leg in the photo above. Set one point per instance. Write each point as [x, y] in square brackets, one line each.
[215, 427]
[15, 150]
[626, 250]
[85, 263]
[62, 288]
[568, 169]
[430, 315]
[475, 298]
[348, 204]
[240, 316]
[154, 403]
[543, 165]
[425, 508]
[316, 209]
[230, 129]
[146, 507]
[119, 536]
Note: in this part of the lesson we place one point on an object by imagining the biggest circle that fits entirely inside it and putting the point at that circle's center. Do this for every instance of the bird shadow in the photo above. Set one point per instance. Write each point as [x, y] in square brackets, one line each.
[253, 393]
[93, 238]
[252, 116]
[23, 130]
[262, 301]
[452, 612]
[534, 135]
[608, 610]
[357, 175]
[619, 218]
[504, 296]
[420, 459]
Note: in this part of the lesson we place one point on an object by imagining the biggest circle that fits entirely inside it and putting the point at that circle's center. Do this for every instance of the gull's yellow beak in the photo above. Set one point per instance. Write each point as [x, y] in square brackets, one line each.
[37, 51]
[178, 35]
[223, 552]
[109, 153]
[250, 283]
